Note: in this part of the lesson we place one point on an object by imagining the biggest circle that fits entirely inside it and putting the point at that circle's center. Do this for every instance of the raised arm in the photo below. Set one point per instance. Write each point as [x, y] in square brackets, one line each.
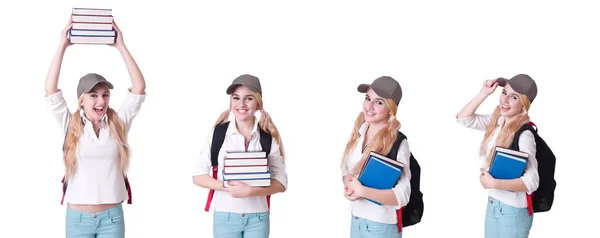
[489, 86]
[54, 71]
[137, 79]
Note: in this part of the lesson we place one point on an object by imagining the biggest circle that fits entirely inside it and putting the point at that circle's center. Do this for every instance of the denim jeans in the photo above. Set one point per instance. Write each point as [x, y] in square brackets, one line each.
[105, 224]
[505, 221]
[241, 225]
[363, 228]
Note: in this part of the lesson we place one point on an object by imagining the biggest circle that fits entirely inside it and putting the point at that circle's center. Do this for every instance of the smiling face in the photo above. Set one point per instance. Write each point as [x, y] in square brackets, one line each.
[95, 103]
[243, 103]
[375, 108]
[510, 102]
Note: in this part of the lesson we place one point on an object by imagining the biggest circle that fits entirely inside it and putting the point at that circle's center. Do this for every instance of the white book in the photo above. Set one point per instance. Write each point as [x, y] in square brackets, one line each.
[91, 26]
[92, 19]
[245, 162]
[246, 169]
[92, 11]
[92, 39]
[252, 154]
[253, 183]
[251, 176]
[75, 32]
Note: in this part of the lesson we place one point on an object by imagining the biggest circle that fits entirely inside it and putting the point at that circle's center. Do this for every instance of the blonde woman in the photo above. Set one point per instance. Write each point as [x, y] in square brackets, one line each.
[376, 129]
[507, 207]
[96, 154]
[241, 210]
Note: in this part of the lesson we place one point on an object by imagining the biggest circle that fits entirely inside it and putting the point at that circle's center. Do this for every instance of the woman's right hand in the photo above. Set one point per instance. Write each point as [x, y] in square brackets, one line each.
[489, 86]
[349, 194]
[64, 40]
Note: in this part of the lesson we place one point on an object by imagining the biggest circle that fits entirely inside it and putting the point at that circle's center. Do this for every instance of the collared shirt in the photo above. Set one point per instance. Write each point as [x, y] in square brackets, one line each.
[98, 178]
[526, 144]
[235, 141]
[368, 210]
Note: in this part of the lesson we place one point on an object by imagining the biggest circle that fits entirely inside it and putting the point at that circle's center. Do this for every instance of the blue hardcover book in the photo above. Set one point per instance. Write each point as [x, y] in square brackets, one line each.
[380, 172]
[508, 164]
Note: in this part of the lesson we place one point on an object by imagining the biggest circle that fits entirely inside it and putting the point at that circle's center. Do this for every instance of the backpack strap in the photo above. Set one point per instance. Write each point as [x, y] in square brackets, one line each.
[515, 146]
[393, 154]
[215, 147]
[265, 142]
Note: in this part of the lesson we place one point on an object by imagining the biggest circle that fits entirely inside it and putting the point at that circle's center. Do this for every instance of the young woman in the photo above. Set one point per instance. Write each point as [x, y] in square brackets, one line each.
[376, 129]
[241, 210]
[96, 153]
[507, 214]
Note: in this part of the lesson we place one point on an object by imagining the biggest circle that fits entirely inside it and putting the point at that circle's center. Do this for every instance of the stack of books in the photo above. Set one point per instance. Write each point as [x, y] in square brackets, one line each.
[508, 164]
[380, 172]
[250, 168]
[92, 26]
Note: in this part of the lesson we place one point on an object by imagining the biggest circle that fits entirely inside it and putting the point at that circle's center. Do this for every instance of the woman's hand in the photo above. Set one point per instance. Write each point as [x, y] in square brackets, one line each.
[64, 40]
[119, 43]
[355, 188]
[238, 189]
[349, 194]
[487, 181]
[489, 86]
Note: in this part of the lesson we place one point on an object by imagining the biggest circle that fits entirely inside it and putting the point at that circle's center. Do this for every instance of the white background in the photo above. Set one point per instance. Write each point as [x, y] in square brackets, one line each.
[310, 57]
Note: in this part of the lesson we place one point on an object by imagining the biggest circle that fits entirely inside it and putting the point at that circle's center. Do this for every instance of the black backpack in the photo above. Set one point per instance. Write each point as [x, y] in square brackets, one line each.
[543, 197]
[217, 142]
[413, 211]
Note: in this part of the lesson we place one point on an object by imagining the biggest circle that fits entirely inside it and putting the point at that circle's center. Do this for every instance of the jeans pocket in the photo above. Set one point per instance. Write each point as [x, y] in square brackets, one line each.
[117, 218]
[263, 216]
[377, 228]
[509, 211]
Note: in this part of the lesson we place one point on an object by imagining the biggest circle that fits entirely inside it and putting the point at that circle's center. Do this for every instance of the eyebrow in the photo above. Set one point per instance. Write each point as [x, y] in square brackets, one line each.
[244, 96]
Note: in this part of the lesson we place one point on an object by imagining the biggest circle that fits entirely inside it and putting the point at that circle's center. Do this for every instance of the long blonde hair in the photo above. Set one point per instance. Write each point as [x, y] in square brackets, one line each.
[265, 123]
[505, 137]
[116, 128]
[382, 141]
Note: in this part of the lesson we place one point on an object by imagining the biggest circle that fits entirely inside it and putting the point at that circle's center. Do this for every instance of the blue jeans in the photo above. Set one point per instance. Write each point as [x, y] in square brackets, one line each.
[238, 225]
[505, 221]
[363, 228]
[105, 224]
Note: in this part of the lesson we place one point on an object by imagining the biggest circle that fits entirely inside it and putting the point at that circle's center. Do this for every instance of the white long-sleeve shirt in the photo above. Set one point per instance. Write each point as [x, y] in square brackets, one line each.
[368, 210]
[98, 178]
[235, 141]
[526, 144]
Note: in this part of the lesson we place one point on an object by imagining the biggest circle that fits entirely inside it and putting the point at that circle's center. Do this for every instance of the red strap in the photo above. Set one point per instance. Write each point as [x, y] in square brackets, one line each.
[269, 203]
[64, 190]
[529, 204]
[212, 191]
[534, 125]
[399, 217]
[128, 189]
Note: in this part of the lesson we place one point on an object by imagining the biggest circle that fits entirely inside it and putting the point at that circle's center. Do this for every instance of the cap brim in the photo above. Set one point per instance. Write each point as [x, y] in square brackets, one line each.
[363, 88]
[108, 84]
[502, 82]
[231, 88]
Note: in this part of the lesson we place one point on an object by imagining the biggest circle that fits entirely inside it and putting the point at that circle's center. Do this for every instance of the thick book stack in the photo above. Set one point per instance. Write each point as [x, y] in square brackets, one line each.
[92, 26]
[508, 164]
[250, 168]
[380, 172]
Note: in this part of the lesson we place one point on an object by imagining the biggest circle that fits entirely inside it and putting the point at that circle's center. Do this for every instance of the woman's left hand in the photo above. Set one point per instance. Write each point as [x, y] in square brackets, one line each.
[238, 189]
[119, 44]
[487, 181]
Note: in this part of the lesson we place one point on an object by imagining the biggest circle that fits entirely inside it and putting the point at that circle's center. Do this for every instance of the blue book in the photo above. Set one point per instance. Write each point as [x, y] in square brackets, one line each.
[380, 172]
[508, 164]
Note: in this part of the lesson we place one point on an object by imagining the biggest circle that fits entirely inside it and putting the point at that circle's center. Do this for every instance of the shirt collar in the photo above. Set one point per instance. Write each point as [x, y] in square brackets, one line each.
[501, 120]
[363, 128]
[232, 128]
[85, 120]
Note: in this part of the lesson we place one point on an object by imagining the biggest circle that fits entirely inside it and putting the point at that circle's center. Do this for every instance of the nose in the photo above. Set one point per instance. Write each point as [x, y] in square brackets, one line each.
[101, 100]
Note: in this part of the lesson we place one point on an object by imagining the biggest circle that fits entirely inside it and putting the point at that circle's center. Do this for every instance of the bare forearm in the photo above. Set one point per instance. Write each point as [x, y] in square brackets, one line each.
[276, 187]
[471, 107]
[138, 84]
[515, 185]
[208, 182]
[54, 71]
[386, 197]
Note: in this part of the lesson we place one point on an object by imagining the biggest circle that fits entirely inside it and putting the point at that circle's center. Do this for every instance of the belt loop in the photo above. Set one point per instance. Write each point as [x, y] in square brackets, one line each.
[80, 216]
[229, 216]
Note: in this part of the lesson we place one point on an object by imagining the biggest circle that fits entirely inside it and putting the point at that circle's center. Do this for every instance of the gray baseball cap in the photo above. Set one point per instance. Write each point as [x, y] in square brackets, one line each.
[522, 84]
[247, 80]
[89, 81]
[385, 87]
